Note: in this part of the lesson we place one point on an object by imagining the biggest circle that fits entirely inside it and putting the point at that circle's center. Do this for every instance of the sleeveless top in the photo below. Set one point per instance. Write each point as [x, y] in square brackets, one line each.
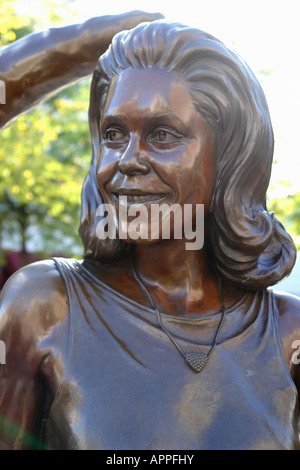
[126, 386]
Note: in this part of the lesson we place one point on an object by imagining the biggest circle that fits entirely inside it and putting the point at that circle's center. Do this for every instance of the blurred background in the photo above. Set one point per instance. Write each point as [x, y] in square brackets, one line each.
[45, 154]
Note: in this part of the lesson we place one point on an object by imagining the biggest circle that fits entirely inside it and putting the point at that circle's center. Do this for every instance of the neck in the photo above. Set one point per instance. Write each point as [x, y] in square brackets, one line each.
[178, 280]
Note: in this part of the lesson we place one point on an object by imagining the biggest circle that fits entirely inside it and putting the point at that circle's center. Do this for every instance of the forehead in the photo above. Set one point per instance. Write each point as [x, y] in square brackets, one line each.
[148, 91]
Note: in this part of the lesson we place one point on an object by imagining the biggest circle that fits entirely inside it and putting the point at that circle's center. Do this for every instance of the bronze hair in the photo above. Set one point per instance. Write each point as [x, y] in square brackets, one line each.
[248, 246]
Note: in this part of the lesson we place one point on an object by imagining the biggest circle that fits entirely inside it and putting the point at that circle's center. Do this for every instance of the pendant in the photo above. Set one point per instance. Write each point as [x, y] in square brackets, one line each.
[196, 361]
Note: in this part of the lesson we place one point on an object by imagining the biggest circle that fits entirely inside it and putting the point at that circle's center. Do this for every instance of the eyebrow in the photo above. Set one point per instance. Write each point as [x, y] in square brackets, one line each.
[114, 117]
[162, 116]
[153, 118]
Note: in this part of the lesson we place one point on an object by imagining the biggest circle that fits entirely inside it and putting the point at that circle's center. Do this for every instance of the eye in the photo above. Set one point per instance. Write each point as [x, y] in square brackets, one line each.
[162, 135]
[114, 134]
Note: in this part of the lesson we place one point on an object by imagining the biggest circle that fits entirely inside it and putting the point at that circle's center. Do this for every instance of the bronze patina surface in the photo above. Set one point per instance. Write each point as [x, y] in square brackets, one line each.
[176, 117]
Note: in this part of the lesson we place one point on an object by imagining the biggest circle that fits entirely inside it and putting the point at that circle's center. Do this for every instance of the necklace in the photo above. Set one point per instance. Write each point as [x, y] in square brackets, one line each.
[195, 360]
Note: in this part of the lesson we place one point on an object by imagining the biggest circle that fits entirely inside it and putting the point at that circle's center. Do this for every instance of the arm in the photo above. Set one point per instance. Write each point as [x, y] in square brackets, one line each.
[33, 301]
[39, 65]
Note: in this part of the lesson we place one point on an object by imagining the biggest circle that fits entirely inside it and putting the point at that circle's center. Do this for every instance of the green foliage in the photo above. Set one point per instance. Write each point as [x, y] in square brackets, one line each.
[16, 22]
[12, 26]
[287, 210]
[44, 156]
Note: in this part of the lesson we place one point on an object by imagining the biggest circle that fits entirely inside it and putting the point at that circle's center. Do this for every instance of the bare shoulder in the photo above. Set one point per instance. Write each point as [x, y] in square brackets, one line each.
[288, 306]
[32, 304]
[35, 294]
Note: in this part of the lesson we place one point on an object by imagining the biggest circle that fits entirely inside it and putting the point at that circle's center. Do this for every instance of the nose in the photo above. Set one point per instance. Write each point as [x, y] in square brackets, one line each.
[131, 163]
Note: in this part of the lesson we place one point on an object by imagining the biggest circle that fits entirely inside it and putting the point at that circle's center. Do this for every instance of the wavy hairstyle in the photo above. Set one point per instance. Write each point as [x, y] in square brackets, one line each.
[248, 246]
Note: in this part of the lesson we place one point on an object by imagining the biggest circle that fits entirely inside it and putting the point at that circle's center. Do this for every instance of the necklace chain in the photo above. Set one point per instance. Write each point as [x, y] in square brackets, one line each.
[196, 361]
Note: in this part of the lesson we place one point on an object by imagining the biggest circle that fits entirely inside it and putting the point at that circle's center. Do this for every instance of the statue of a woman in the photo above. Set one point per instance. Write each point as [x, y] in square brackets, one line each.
[146, 344]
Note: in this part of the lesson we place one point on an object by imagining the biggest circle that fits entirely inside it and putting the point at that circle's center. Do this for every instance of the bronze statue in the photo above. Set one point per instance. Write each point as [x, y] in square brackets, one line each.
[145, 344]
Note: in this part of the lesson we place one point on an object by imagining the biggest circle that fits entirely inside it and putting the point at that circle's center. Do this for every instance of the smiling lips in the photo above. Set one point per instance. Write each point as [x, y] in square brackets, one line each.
[134, 197]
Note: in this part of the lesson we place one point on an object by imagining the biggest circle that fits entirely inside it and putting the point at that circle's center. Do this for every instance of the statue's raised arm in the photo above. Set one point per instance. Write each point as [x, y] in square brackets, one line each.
[40, 64]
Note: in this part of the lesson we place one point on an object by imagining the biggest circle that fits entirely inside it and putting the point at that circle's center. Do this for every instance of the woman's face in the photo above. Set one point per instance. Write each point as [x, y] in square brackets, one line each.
[155, 147]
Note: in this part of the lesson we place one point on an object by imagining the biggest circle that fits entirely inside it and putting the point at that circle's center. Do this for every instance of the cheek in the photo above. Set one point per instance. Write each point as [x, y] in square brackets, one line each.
[207, 181]
[202, 177]
[106, 167]
[174, 167]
